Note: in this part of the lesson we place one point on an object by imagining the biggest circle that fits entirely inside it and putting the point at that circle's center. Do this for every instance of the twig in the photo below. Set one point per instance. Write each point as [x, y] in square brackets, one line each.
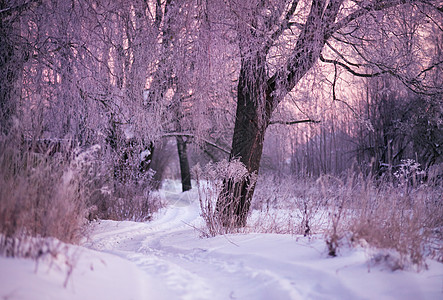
[293, 122]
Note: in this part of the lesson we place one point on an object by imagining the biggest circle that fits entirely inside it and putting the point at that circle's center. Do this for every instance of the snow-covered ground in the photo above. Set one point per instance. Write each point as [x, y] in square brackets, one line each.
[167, 259]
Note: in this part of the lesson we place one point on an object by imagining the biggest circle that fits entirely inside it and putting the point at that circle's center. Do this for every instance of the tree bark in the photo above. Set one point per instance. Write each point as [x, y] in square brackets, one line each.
[185, 171]
[252, 119]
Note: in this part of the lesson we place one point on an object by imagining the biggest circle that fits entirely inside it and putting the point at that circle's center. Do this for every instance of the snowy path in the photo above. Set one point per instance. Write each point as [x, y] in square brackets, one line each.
[253, 266]
[166, 259]
[192, 271]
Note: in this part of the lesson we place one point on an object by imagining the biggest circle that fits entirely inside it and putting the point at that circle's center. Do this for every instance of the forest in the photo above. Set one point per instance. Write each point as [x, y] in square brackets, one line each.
[315, 118]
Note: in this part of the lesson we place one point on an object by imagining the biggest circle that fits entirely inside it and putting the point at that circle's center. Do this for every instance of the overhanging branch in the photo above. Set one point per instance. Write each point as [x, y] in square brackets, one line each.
[349, 69]
[413, 84]
[375, 6]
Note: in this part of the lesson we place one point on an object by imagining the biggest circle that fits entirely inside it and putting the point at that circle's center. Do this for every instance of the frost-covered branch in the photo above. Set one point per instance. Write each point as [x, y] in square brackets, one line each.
[285, 24]
[349, 69]
[18, 8]
[372, 6]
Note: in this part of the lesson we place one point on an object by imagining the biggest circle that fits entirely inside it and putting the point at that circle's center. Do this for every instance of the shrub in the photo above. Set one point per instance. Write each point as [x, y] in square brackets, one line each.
[389, 218]
[120, 190]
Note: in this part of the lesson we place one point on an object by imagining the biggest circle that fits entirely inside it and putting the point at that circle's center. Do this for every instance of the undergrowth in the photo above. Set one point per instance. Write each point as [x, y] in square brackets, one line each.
[213, 201]
[403, 216]
[360, 211]
[41, 197]
[52, 189]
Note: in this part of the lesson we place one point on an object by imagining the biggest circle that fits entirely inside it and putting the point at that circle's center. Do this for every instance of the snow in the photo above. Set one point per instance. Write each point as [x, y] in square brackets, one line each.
[94, 274]
[144, 154]
[167, 259]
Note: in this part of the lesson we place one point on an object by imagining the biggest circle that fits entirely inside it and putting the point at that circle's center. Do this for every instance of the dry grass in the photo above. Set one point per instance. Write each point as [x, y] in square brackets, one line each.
[210, 187]
[405, 217]
[410, 222]
[41, 197]
[54, 192]
[357, 210]
[288, 204]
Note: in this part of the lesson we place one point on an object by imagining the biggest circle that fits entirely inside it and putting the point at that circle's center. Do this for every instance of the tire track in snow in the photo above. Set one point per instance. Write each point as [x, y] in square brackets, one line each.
[125, 239]
[200, 270]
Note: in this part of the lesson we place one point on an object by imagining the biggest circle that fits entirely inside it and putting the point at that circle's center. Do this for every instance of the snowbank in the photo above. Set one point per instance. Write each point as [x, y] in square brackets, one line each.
[79, 273]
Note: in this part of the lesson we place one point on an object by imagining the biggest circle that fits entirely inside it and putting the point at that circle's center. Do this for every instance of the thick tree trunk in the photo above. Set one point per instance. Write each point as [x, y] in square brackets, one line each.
[252, 119]
[184, 164]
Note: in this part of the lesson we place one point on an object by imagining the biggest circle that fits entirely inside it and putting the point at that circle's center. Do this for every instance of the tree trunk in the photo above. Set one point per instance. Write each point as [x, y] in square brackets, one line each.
[184, 164]
[252, 119]
[10, 66]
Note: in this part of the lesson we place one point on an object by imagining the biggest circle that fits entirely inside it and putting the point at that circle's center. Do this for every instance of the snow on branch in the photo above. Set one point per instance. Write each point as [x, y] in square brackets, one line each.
[18, 8]
[374, 6]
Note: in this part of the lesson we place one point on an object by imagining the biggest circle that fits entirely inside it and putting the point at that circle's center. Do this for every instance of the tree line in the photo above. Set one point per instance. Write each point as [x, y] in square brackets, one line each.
[333, 81]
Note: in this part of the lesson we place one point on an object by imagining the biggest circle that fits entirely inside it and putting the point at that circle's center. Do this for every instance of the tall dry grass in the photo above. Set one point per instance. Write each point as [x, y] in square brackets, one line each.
[41, 196]
[401, 216]
[408, 220]
[288, 204]
[53, 190]
[405, 215]
[210, 185]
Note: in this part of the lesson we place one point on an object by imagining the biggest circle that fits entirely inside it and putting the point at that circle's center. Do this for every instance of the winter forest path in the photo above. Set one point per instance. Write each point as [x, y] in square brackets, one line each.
[242, 266]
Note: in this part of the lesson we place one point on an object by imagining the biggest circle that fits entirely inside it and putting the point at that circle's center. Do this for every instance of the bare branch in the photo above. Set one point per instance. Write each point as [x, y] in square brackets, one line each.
[374, 6]
[413, 84]
[342, 56]
[347, 68]
[429, 68]
[293, 122]
[191, 135]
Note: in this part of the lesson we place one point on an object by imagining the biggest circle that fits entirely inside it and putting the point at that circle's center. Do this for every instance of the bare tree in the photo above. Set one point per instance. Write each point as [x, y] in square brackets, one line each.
[403, 126]
[180, 82]
[77, 70]
[281, 41]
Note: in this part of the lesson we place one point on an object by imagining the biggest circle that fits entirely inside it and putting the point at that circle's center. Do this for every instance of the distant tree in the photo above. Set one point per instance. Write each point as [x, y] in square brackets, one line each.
[180, 81]
[401, 125]
[401, 122]
[167, 77]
